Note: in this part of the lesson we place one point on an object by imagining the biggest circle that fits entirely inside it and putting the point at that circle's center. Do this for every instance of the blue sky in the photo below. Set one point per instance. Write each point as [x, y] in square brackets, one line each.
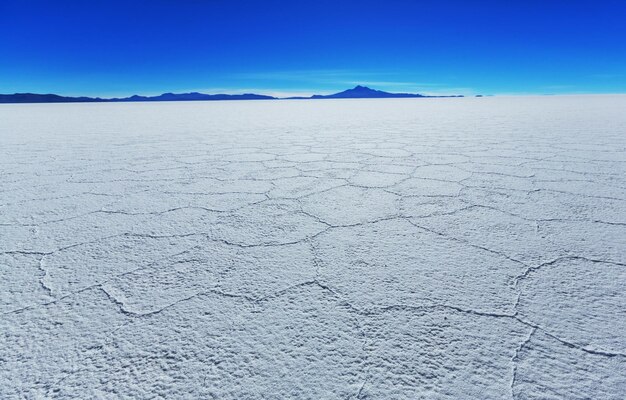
[112, 47]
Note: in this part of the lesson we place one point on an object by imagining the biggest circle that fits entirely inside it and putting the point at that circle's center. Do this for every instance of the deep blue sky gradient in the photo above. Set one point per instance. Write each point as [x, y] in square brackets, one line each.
[114, 47]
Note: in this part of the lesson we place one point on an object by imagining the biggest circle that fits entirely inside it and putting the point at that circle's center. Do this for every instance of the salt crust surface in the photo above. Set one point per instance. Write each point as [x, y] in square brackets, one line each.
[381, 249]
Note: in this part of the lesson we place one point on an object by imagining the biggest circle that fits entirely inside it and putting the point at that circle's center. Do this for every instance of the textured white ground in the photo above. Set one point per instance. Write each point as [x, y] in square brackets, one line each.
[382, 249]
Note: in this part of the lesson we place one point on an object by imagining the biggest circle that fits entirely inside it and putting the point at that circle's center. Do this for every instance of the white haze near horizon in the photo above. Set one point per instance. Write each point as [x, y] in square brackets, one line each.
[396, 248]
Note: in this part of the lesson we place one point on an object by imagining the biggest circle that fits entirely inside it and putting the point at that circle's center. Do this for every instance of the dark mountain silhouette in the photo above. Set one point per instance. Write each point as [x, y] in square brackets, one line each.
[44, 98]
[363, 92]
[195, 96]
[358, 92]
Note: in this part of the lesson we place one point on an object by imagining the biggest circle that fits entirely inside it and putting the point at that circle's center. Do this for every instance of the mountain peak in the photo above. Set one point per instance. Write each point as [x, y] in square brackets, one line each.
[361, 88]
[363, 92]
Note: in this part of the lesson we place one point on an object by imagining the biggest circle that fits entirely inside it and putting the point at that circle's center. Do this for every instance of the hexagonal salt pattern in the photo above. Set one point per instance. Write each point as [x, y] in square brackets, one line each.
[375, 249]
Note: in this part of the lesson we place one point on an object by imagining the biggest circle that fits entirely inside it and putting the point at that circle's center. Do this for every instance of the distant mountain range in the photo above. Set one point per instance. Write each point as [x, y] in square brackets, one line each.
[194, 96]
[358, 92]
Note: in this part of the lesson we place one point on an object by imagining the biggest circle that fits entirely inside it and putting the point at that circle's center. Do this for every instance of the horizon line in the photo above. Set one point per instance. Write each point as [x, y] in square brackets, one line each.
[287, 95]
